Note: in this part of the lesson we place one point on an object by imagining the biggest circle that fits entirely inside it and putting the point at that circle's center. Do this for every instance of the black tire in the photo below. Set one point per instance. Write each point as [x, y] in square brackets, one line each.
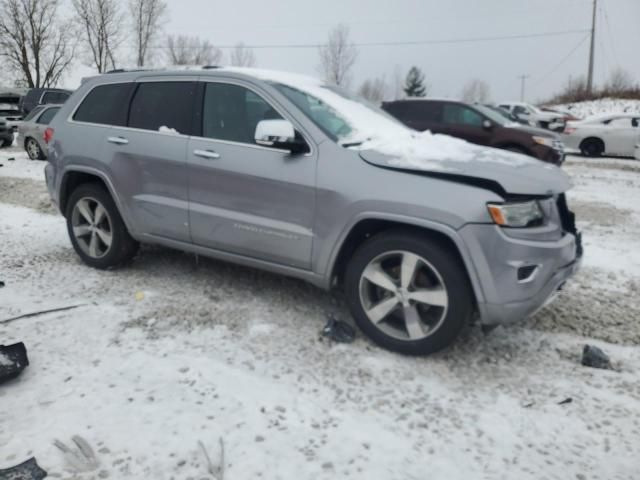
[33, 149]
[451, 270]
[592, 147]
[123, 246]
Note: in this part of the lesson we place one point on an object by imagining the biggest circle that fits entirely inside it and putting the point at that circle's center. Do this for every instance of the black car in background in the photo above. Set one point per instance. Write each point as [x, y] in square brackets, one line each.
[43, 96]
[477, 124]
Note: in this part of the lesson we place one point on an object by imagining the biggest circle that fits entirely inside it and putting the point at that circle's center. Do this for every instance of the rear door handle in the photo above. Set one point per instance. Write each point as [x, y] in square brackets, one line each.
[206, 154]
[118, 140]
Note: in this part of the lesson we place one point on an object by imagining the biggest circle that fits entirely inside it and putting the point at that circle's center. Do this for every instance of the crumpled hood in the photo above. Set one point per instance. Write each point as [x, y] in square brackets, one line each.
[448, 157]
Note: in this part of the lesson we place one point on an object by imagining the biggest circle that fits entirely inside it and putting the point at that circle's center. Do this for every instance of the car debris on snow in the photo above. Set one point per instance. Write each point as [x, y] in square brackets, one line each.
[338, 331]
[217, 470]
[13, 359]
[80, 457]
[29, 470]
[595, 358]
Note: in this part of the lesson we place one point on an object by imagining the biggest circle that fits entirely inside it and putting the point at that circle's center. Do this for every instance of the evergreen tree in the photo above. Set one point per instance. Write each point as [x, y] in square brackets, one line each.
[414, 85]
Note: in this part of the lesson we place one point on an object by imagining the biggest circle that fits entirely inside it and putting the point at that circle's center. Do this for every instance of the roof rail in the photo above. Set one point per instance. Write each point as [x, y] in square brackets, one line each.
[125, 70]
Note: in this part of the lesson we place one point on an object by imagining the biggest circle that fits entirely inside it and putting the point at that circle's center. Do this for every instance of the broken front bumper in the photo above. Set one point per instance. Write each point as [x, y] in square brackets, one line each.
[518, 277]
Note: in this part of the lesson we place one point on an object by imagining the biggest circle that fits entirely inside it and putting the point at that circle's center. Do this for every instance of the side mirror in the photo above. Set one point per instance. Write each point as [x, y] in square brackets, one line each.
[487, 125]
[279, 134]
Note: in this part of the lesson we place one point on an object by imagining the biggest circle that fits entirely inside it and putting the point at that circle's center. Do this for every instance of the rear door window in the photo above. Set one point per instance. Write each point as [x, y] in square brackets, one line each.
[47, 116]
[163, 106]
[105, 105]
[424, 111]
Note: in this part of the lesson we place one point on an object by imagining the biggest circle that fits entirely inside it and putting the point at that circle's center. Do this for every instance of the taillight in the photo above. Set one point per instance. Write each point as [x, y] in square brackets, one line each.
[48, 135]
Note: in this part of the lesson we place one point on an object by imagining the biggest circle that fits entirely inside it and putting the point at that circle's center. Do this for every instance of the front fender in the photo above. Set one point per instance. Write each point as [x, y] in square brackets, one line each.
[403, 220]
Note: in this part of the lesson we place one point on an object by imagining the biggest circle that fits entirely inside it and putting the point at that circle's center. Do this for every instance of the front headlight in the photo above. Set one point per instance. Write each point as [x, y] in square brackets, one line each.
[547, 142]
[518, 215]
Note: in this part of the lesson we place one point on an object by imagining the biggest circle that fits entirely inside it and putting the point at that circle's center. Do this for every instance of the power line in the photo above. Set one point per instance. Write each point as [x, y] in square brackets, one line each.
[409, 42]
[564, 59]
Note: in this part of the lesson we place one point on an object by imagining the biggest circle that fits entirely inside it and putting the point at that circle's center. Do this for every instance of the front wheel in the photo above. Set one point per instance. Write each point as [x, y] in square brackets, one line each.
[408, 293]
[97, 232]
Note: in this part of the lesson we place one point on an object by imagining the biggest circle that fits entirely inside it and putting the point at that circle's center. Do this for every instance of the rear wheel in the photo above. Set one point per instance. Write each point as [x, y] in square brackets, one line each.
[97, 232]
[408, 293]
[592, 147]
[33, 149]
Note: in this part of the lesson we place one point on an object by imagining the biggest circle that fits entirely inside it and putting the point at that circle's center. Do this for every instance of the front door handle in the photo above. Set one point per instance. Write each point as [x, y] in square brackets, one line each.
[206, 154]
[118, 140]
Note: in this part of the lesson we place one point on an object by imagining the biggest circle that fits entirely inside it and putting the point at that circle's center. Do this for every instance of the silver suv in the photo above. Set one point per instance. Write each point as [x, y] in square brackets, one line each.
[424, 233]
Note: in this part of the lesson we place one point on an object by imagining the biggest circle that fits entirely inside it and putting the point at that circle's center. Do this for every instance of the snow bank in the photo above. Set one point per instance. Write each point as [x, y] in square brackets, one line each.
[603, 106]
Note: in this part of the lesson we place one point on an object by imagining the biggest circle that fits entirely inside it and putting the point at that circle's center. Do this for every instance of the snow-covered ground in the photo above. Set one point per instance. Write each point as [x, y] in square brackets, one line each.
[601, 107]
[169, 352]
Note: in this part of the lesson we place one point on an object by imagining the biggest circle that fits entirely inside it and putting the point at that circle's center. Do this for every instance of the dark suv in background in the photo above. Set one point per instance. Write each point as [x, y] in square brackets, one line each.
[43, 96]
[477, 124]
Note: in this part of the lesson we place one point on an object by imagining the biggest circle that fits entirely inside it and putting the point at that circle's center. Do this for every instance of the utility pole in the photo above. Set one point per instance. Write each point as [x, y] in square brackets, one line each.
[591, 51]
[523, 79]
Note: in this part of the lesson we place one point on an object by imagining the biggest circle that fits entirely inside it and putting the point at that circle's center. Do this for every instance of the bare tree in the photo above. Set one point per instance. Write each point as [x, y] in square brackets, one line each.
[338, 56]
[34, 41]
[184, 50]
[476, 91]
[242, 56]
[146, 16]
[102, 23]
[620, 81]
[374, 90]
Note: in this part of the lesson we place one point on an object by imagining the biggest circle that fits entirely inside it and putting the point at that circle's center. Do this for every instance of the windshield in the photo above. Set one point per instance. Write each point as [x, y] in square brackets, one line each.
[346, 118]
[495, 114]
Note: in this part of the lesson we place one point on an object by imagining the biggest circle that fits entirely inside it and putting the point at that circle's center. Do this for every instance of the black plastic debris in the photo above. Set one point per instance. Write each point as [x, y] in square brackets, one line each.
[1, 284]
[29, 470]
[338, 331]
[565, 401]
[13, 359]
[595, 358]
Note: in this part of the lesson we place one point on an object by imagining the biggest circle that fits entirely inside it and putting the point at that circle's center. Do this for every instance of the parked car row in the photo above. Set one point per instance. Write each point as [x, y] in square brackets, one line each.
[479, 124]
[16, 105]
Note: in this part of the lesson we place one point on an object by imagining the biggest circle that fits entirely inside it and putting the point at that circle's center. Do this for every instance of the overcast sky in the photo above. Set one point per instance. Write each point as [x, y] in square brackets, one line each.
[447, 66]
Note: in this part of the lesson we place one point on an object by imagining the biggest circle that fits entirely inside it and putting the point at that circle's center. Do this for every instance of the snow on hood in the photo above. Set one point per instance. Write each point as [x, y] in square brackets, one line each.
[441, 154]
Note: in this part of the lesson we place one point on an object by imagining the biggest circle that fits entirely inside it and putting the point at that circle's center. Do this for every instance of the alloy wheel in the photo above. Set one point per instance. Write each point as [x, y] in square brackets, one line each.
[32, 149]
[92, 227]
[403, 295]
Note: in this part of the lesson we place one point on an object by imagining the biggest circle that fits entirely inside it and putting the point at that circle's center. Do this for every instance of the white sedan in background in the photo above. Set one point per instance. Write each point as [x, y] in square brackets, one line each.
[615, 135]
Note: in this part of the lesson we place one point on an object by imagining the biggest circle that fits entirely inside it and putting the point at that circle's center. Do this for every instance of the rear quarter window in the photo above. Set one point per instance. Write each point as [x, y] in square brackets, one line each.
[105, 105]
[54, 97]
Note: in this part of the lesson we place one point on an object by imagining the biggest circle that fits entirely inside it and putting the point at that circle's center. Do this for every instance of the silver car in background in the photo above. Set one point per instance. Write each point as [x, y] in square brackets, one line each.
[423, 233]
[614, 135]
[31, 131]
